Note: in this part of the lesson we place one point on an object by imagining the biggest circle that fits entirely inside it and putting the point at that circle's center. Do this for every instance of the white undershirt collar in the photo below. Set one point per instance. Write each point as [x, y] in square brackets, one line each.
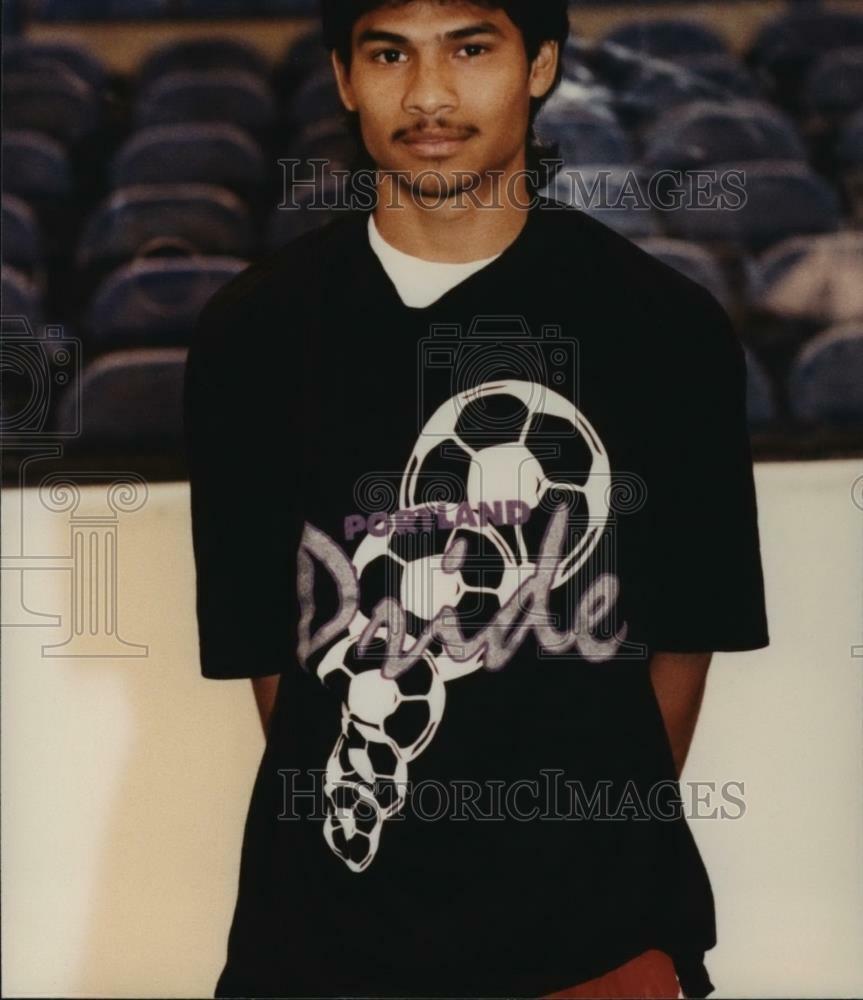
[420, 282]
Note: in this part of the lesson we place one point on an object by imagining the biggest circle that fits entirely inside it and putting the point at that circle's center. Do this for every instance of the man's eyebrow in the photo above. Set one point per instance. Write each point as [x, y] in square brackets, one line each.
[470, 31]
[481, 28]
[375, 35]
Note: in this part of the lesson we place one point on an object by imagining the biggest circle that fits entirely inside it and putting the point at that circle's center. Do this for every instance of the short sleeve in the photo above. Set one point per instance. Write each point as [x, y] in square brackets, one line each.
[706, 586]
[245, 530]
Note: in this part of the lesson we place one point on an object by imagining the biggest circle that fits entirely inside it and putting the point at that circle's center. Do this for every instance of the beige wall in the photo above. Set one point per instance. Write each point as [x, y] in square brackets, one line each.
[126, 779]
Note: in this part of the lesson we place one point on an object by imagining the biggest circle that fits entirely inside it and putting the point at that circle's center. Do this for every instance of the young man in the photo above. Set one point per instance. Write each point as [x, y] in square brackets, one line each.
[499, 512]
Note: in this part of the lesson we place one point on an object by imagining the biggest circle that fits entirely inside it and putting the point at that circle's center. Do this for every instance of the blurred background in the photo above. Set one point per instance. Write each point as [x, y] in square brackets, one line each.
[141, 171]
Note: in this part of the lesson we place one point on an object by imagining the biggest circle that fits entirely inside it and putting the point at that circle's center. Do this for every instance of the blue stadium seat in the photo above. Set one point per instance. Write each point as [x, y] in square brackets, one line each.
[826, 381]
[139, 9]
[574, 98]
[213, 153]
[35, 165]
[798, 288]
[13, 18]
[20, 295]
[286, 8]
[54, 101]
[725, 72]
[761, 405]
[804, 32]
[101, 10]
[817, 279]
[575, 68]
[21, 239]
[614, 195]
[130, 400]
[117, 10]
[304, 57]
[851, 141]
[316, 97]
[646, 87]
[155, 303]
[783, 199]
[202, 54]
[585, 136]
[181, 219]
[834, 86]
[849, 153]
[666, 38]
[232, 96]
[327, 139]
[35, 365]
[290, 8]
[693, 261]
[703, 133]
[785, 49]
[215, 8]
[26, 55]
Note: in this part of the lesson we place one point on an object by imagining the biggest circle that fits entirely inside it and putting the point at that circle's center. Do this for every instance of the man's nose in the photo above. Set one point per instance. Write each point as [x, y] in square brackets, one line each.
[431, 90]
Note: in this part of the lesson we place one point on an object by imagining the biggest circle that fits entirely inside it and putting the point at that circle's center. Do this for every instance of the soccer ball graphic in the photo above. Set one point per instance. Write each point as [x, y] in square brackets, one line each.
[386, 723]
[414, 568]
[489, 447]
[509, 440]
[491, 468]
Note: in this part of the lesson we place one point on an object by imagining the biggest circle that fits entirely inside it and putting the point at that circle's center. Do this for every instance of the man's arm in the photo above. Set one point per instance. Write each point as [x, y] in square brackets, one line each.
[679, 680]
[265, 696]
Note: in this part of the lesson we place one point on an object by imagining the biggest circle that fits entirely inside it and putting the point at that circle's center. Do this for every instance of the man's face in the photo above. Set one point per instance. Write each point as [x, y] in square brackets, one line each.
[443, 88]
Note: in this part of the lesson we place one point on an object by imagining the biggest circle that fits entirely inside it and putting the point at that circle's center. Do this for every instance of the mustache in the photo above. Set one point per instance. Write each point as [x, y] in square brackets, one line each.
[416, 131]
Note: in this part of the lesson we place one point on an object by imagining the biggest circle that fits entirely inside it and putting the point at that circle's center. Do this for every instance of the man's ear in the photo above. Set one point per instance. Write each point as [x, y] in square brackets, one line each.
[544, 68]
[343, 82]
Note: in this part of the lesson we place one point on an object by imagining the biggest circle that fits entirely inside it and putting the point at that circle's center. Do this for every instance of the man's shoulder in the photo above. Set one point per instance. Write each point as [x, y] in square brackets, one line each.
[628, 279]
[271, 293]
[289, 273]
[583, 241]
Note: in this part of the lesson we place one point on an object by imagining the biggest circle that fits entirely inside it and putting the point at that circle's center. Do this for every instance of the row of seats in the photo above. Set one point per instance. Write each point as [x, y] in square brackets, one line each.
[686, 135]
[825, 385]
[132, 399]
[154, 299]
[787, 38]
[755, 206]
[783, 194]
[767, 202]
[56, 101]
[795, 289]
[639, 62]
[225, 82]
[179, 205]
[118, 10]
[146, 302]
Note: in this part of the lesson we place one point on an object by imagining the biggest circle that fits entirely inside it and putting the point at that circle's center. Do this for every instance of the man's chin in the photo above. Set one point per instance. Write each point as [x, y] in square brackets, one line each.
[444, 187]
[438, 182]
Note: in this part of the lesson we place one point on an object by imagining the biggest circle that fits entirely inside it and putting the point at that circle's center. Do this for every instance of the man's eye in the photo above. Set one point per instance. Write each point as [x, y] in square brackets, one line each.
[473, 50]
[388, 56]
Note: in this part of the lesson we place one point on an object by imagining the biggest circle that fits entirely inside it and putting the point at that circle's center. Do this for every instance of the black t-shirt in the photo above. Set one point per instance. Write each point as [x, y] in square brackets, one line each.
[458, 533]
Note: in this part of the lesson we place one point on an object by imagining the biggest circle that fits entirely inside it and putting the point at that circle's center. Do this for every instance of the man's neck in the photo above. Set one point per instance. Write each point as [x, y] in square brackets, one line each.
[468, 227]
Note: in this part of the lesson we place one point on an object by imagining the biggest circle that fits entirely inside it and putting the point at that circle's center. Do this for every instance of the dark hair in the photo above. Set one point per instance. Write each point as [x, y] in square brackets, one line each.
[538, 21]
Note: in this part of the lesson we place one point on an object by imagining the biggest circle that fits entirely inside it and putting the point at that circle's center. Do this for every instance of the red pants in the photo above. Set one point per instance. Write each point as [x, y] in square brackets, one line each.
[650, 975]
